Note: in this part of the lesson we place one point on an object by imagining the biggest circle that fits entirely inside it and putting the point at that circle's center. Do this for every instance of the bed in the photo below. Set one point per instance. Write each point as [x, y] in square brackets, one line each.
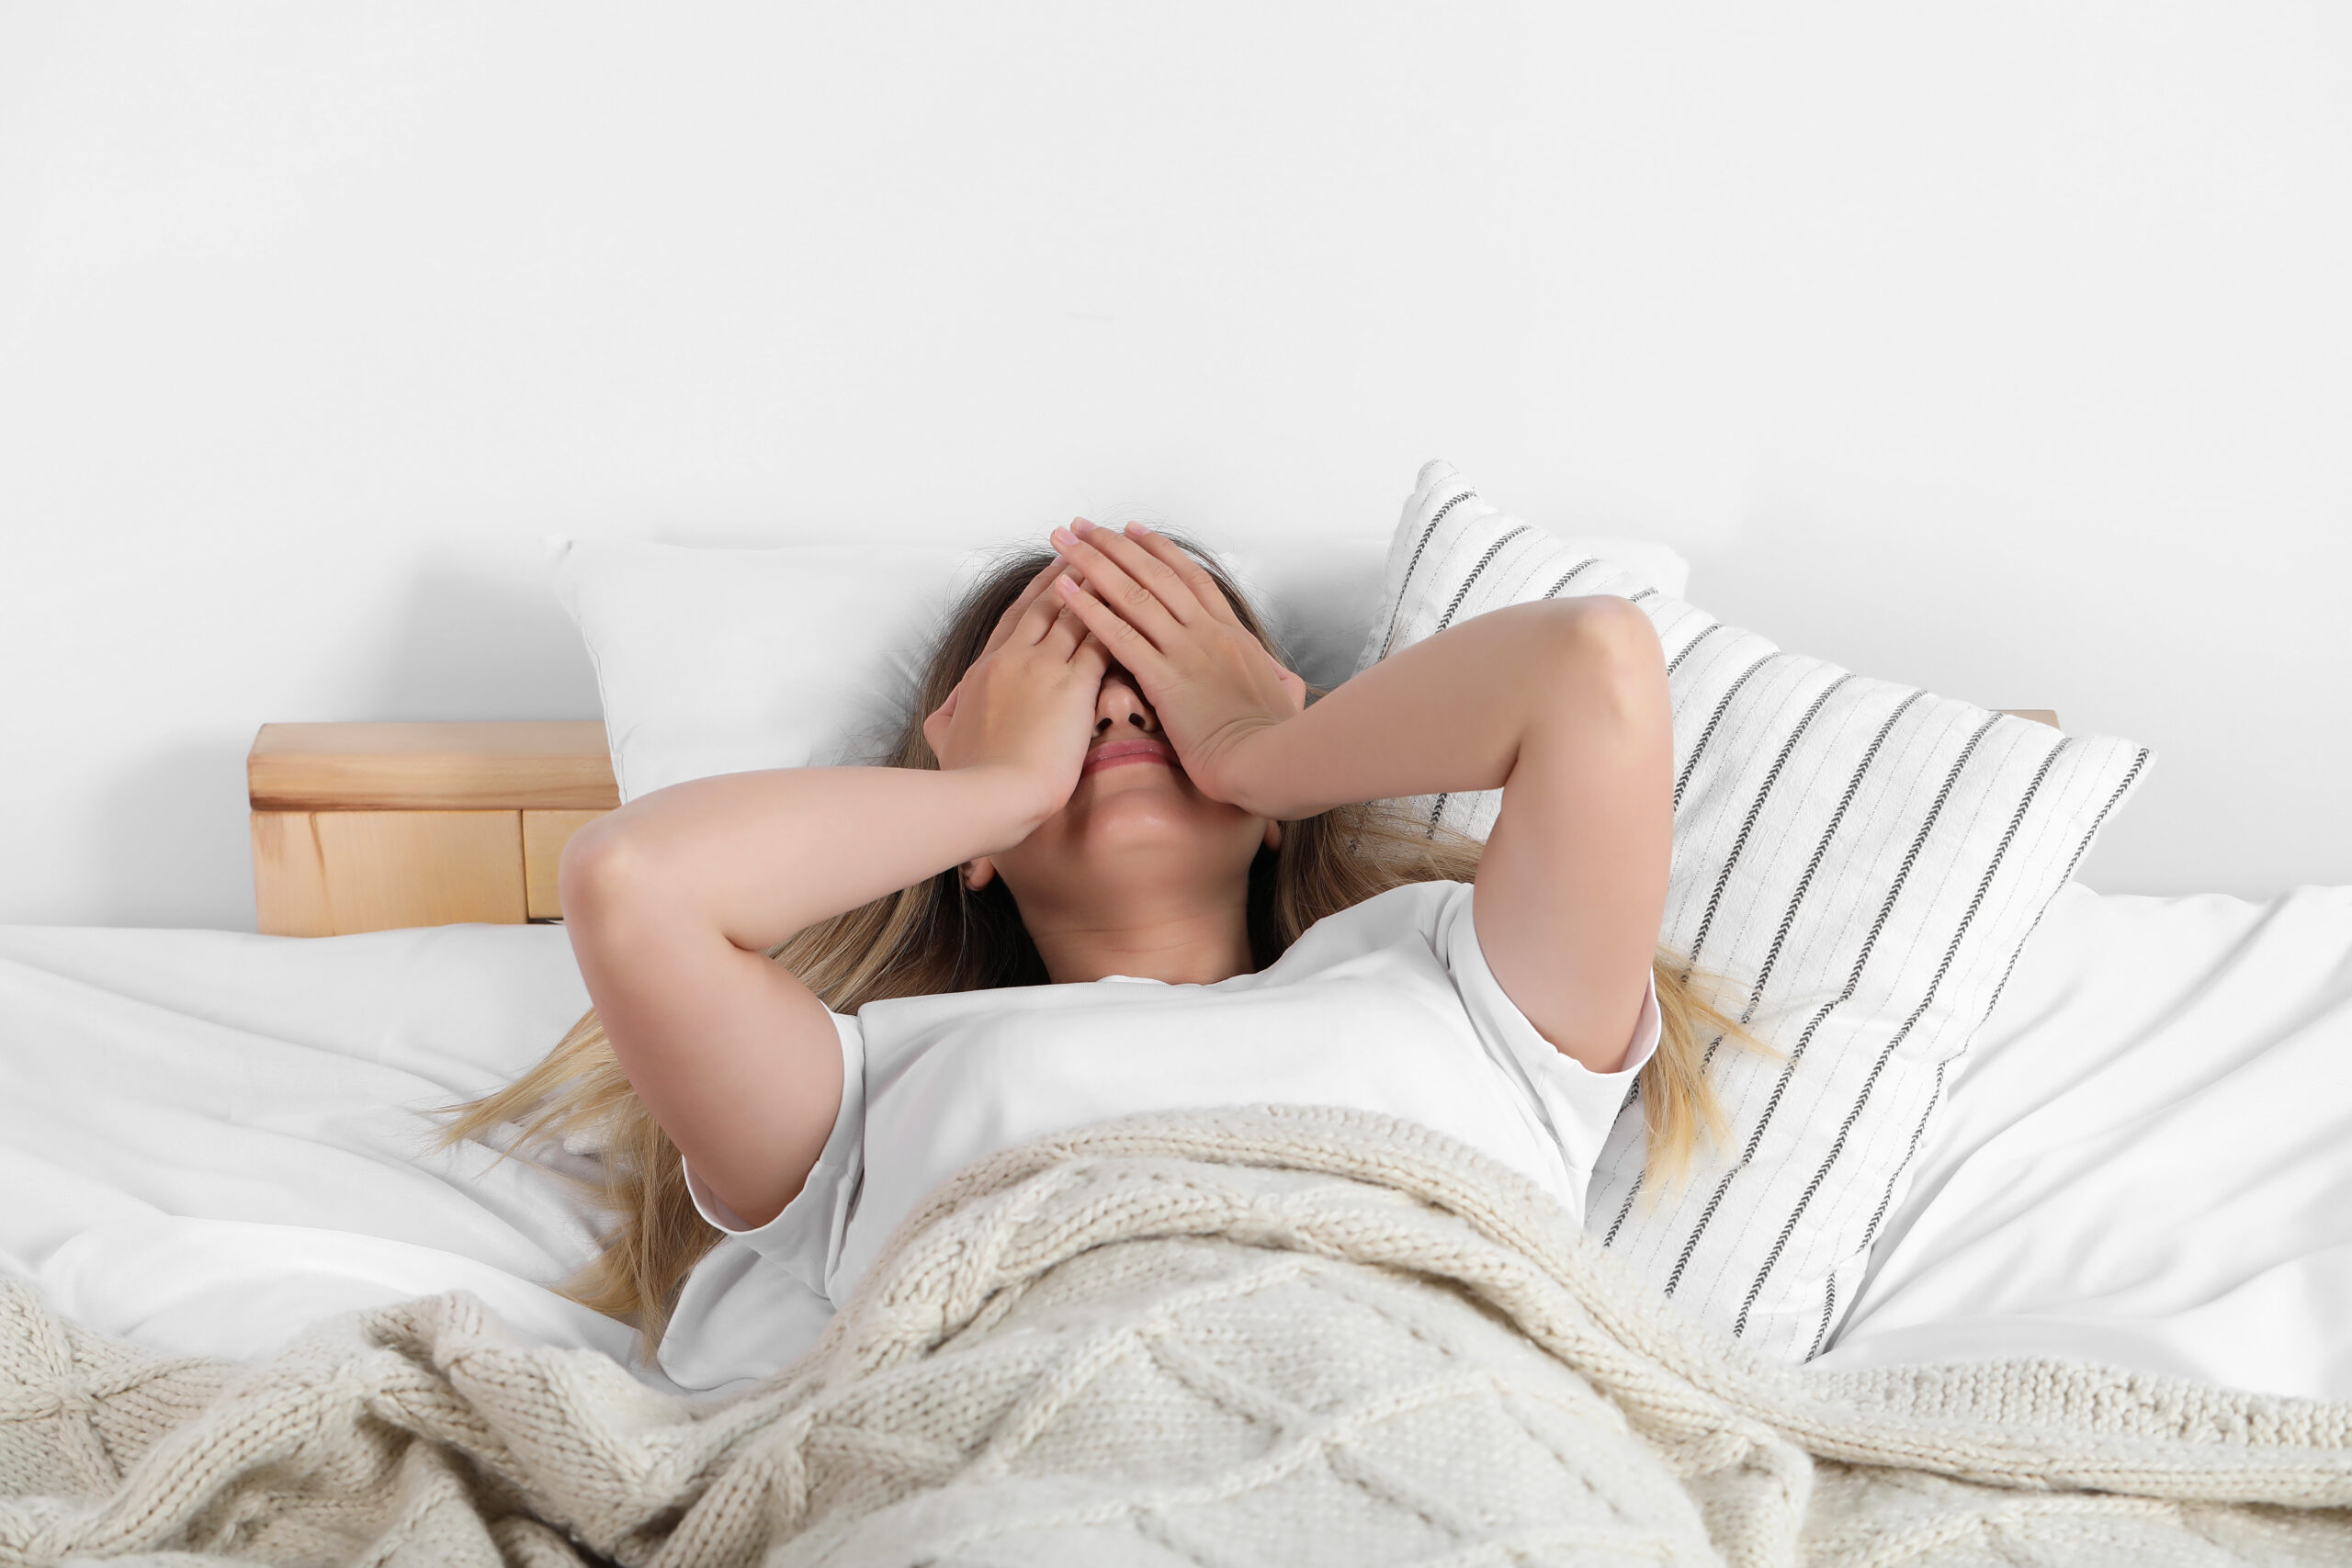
[220, 1142]
[2147, 1160]
[2111, 1268]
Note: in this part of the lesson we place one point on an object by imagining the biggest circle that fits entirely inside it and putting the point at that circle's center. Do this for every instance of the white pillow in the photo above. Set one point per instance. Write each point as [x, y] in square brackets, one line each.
[1320, 595]
[1862, 860]
[725, 660]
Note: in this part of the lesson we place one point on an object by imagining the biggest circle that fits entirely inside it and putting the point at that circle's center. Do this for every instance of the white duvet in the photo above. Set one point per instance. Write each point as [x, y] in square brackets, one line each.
[209, 1140]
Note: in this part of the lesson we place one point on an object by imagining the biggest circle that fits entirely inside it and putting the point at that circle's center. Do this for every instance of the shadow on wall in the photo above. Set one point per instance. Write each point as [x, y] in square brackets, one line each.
[175, 847]
[474, 639]
[478, 639]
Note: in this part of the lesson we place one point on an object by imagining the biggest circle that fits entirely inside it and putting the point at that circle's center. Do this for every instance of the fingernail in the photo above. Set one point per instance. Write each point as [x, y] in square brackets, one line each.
[1083, 526]
[1137, 528]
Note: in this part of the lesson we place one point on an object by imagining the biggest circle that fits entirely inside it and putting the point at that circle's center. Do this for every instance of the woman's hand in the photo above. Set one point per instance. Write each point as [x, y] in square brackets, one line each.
[1026, 706]
[1213, 685]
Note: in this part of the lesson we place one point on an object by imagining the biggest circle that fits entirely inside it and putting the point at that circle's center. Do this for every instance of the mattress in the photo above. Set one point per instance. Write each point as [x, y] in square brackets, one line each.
[209, 1140]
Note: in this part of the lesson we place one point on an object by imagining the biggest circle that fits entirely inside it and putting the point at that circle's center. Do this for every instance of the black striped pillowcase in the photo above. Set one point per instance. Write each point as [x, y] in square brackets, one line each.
[1861, 860]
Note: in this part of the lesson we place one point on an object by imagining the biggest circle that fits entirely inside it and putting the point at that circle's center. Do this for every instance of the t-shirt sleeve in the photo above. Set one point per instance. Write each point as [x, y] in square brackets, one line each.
[806, 1238]
[1580, 1104]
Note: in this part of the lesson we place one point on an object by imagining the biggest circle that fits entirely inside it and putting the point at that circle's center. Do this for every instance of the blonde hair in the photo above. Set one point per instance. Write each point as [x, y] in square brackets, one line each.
[938, 936]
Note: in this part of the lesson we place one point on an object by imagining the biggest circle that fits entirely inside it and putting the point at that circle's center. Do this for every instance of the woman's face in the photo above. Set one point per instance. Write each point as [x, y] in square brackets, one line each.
[1135, 840]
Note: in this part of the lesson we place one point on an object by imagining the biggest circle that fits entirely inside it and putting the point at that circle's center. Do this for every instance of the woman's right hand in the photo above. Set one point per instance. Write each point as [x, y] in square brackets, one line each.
[1027, 704]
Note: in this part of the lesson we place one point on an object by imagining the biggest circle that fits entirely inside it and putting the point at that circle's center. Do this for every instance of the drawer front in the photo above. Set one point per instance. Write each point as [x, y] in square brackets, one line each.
[544, 835]
[335, 873]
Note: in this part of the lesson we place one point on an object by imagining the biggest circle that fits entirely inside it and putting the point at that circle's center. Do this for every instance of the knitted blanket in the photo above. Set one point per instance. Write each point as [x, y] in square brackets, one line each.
[1271, 1336]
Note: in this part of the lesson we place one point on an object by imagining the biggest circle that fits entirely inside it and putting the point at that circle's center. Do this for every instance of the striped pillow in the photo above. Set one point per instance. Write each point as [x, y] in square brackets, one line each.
[1862, 860]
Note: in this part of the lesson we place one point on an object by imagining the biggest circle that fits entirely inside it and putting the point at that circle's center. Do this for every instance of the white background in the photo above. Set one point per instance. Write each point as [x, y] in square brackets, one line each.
[2003, 348]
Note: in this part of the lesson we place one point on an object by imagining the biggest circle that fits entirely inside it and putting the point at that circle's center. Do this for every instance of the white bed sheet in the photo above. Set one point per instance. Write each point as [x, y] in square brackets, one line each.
[2146, 1156]
[209, 1140]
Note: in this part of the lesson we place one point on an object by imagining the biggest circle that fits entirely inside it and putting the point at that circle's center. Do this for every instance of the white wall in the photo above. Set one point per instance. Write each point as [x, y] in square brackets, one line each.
[2005, 349]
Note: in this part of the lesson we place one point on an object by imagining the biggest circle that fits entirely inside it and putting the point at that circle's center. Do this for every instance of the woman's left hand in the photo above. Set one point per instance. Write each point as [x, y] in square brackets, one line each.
[1213, 685]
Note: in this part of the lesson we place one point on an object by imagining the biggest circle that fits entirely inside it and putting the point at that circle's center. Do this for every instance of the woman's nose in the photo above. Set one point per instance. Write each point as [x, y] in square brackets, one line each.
[1120, 707]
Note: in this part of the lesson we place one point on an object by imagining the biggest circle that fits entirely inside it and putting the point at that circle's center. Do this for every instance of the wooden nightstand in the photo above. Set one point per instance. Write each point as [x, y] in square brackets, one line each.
[369, 826]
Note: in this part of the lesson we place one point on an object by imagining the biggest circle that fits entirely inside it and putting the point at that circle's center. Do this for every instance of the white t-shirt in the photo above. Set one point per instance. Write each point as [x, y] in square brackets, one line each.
[1388, 1006]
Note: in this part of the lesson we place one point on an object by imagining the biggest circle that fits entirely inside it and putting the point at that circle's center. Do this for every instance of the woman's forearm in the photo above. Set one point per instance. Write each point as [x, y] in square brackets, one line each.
[768, 854]
[1444, 715]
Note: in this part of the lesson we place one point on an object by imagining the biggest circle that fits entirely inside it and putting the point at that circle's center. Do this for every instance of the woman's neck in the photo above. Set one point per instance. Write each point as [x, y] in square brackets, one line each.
[1182, 949]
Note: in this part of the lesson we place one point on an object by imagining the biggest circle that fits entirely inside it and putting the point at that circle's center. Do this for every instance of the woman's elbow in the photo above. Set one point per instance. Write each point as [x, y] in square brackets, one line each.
[1608, 654]
[597, 863]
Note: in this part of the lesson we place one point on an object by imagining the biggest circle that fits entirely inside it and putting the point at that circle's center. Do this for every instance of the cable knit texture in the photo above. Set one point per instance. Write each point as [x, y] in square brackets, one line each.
[1266, 1335]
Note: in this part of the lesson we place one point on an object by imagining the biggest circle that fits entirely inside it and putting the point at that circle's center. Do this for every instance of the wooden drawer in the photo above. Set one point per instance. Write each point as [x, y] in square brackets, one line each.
[371, 827]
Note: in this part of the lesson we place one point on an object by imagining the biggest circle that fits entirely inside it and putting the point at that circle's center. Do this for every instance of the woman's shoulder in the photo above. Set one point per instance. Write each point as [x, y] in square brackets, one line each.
[1406, 901]
[1409, 911]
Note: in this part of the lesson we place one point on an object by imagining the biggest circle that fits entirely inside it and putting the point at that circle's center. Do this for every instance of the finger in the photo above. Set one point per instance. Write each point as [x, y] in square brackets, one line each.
[1125, 644]
[1093, 657]
[1149, 568]
[1067, 631]
[1037, 621]
[1192, 573]
[1136, 602]
[1039, 587]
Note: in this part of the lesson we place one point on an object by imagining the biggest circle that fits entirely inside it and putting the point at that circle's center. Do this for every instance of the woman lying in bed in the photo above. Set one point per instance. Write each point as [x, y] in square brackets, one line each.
[1121, 865]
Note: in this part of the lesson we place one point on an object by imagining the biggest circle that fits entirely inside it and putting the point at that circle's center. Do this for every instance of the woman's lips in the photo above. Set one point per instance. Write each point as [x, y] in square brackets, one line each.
[1120, 752]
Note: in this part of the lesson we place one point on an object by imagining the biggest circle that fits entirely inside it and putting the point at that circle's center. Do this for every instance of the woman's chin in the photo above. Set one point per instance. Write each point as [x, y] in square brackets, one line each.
[1137, 778]
[1153, 799]
[1151, 835]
